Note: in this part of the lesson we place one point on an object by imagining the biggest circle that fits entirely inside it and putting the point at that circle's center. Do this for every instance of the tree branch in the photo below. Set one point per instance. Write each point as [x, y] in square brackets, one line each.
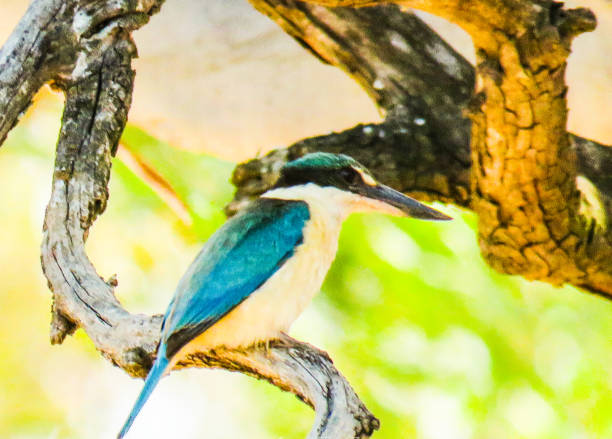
[308, 373]
[482, 18]
[392, 54]
[522, 165]
[400, 152]
[85, 48]
[24, 59]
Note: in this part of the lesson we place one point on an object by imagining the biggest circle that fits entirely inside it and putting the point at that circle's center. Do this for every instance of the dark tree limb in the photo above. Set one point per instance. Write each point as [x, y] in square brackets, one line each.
[393, 55]
[427, 172]
[522, 165]
[85, 49]
[595, 163]
[405, 158]
[483, 18]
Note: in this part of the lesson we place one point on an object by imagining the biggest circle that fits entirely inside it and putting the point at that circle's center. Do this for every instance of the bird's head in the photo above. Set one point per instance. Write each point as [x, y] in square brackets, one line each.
[340, 181]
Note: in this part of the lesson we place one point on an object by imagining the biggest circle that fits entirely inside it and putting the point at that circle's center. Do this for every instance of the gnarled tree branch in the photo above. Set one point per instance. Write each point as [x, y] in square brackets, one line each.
[25, 59]
[521, 162]
[85, 49]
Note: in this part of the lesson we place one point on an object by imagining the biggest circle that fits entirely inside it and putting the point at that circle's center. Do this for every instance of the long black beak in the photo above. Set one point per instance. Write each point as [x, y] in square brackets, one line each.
[407, 205]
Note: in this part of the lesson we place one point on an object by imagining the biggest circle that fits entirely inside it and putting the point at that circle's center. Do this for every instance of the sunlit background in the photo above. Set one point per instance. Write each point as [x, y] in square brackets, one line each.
[437, 345]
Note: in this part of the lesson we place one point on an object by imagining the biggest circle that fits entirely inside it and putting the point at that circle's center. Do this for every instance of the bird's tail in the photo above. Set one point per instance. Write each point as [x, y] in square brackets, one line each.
[155, 374]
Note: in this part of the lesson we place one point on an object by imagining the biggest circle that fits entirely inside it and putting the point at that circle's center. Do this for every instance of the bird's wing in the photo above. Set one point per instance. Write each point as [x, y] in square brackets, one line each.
[234, 262]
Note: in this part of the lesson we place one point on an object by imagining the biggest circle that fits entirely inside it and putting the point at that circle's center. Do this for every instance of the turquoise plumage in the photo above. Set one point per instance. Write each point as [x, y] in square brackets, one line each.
[260, 270]
[233, 263]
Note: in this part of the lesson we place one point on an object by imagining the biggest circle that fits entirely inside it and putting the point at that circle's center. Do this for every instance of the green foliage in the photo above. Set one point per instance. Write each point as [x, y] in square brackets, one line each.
[201, 181]
[436, 343]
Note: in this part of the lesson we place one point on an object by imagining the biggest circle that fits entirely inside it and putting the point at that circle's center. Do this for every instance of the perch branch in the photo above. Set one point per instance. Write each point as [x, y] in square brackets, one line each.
[85, 49]
[521, 163]
[307, 372]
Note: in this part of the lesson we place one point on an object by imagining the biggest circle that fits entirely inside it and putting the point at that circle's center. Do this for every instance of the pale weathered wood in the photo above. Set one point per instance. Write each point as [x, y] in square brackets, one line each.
[86, 49]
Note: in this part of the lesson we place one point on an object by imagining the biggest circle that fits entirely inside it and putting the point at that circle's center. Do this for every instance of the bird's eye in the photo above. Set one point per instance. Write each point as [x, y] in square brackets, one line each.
[350, 176]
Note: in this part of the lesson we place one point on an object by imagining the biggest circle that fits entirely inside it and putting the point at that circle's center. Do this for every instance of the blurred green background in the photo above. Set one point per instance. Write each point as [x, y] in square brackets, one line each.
[436, 344]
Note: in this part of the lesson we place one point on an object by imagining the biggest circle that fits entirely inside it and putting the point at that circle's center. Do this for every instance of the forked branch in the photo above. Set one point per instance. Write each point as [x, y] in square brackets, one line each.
[85, 48]
[542, 195]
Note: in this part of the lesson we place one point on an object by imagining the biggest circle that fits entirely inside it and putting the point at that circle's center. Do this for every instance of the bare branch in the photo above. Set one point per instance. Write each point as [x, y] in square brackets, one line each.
[482, 18]
[392, 54]
[523, 165]
[86, 49]
[24, 59]
[365, 44]
[307, 372]
[400, 152]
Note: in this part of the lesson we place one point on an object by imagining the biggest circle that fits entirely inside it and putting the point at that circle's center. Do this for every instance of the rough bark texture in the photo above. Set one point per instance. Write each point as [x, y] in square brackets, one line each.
[523, 169]
[308, 373]
[85, 49]
[395, 57]
[544, 197]
[428, 172]
[521, 164]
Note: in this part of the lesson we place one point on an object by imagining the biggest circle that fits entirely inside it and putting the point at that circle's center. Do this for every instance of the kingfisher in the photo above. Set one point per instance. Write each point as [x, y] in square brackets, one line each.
[259, 271]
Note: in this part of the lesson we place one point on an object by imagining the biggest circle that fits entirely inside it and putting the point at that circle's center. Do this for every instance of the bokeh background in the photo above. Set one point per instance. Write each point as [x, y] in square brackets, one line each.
[436, 344]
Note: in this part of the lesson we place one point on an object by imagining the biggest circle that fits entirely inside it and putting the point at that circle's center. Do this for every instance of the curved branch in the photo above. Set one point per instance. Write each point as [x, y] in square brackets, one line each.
[365, 44]
[308, 373]
[523, 165]
[86, 49]
[393, 55]
[481, 18]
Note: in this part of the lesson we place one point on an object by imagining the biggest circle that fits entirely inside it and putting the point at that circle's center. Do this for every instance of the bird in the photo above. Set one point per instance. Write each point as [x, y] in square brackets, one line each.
[262, 267]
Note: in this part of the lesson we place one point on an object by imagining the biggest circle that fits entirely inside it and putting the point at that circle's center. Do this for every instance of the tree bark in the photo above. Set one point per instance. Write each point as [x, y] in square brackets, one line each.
[543, 196]
[517, 168]
[85, 49]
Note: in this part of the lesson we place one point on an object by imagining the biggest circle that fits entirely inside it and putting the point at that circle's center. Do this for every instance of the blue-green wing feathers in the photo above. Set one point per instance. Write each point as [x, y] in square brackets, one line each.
[235, 261]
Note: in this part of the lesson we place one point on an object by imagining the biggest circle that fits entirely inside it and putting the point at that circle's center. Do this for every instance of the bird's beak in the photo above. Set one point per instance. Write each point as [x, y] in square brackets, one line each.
[406, 205]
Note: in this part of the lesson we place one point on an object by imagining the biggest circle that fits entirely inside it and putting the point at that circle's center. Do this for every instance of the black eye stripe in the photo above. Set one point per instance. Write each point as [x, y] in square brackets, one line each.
[345, 178]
